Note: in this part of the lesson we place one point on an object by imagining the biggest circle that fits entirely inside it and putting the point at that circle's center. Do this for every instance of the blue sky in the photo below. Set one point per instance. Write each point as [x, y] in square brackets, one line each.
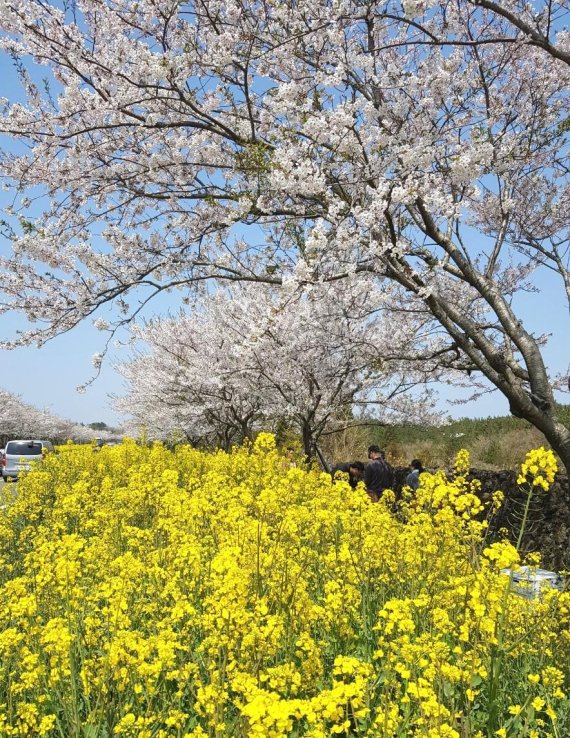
[48, 377]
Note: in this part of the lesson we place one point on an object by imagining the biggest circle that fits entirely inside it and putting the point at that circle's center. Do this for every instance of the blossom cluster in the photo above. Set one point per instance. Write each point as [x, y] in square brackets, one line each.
[538, 468]
[155, 593]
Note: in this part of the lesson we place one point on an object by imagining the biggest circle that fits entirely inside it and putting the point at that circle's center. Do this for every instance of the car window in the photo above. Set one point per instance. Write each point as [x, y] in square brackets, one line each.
[24, 449]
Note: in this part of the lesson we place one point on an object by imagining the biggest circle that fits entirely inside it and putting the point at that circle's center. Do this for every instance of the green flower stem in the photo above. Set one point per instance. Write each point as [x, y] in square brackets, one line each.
[525, 516]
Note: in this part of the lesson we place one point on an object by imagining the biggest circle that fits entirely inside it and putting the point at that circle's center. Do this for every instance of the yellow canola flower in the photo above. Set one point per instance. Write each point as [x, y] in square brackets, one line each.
[538, 469]
[538, 703]
[551, 713]
[502, 554]
[164, 593]
[462, 462]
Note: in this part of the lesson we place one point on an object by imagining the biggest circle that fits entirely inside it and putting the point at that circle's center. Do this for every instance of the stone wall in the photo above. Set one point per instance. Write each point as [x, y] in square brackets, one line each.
[548, 524]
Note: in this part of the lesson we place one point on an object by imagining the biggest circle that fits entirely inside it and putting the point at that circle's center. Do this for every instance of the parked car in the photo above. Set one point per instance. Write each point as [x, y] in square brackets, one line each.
[100, 442]
[19, 456]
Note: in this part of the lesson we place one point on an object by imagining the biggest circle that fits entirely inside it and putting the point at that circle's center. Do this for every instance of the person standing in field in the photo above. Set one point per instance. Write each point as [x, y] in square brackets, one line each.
[378, 474]
[413, 478]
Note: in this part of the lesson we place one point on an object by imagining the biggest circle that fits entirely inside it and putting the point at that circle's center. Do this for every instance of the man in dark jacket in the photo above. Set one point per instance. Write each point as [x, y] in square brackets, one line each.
[378, 474]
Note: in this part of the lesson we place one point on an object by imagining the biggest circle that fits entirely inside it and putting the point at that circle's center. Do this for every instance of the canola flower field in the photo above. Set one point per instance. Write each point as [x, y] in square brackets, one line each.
[151, 593]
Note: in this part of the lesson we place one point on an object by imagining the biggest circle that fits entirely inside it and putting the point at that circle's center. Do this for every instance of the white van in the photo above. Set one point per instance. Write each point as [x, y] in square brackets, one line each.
[19, 455]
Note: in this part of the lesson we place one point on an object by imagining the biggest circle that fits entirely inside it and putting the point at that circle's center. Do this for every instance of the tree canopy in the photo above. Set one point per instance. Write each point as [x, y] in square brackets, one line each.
[423, 143]
[254, 356]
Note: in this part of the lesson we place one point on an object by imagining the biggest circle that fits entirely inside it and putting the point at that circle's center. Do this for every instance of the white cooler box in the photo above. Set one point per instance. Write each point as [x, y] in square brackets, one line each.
[528, 581]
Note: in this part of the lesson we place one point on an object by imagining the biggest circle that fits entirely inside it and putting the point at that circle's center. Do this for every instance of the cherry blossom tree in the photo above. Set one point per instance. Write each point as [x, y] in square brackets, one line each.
[19, 419]
[190, 386]
[421, 143]
[251, 356]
